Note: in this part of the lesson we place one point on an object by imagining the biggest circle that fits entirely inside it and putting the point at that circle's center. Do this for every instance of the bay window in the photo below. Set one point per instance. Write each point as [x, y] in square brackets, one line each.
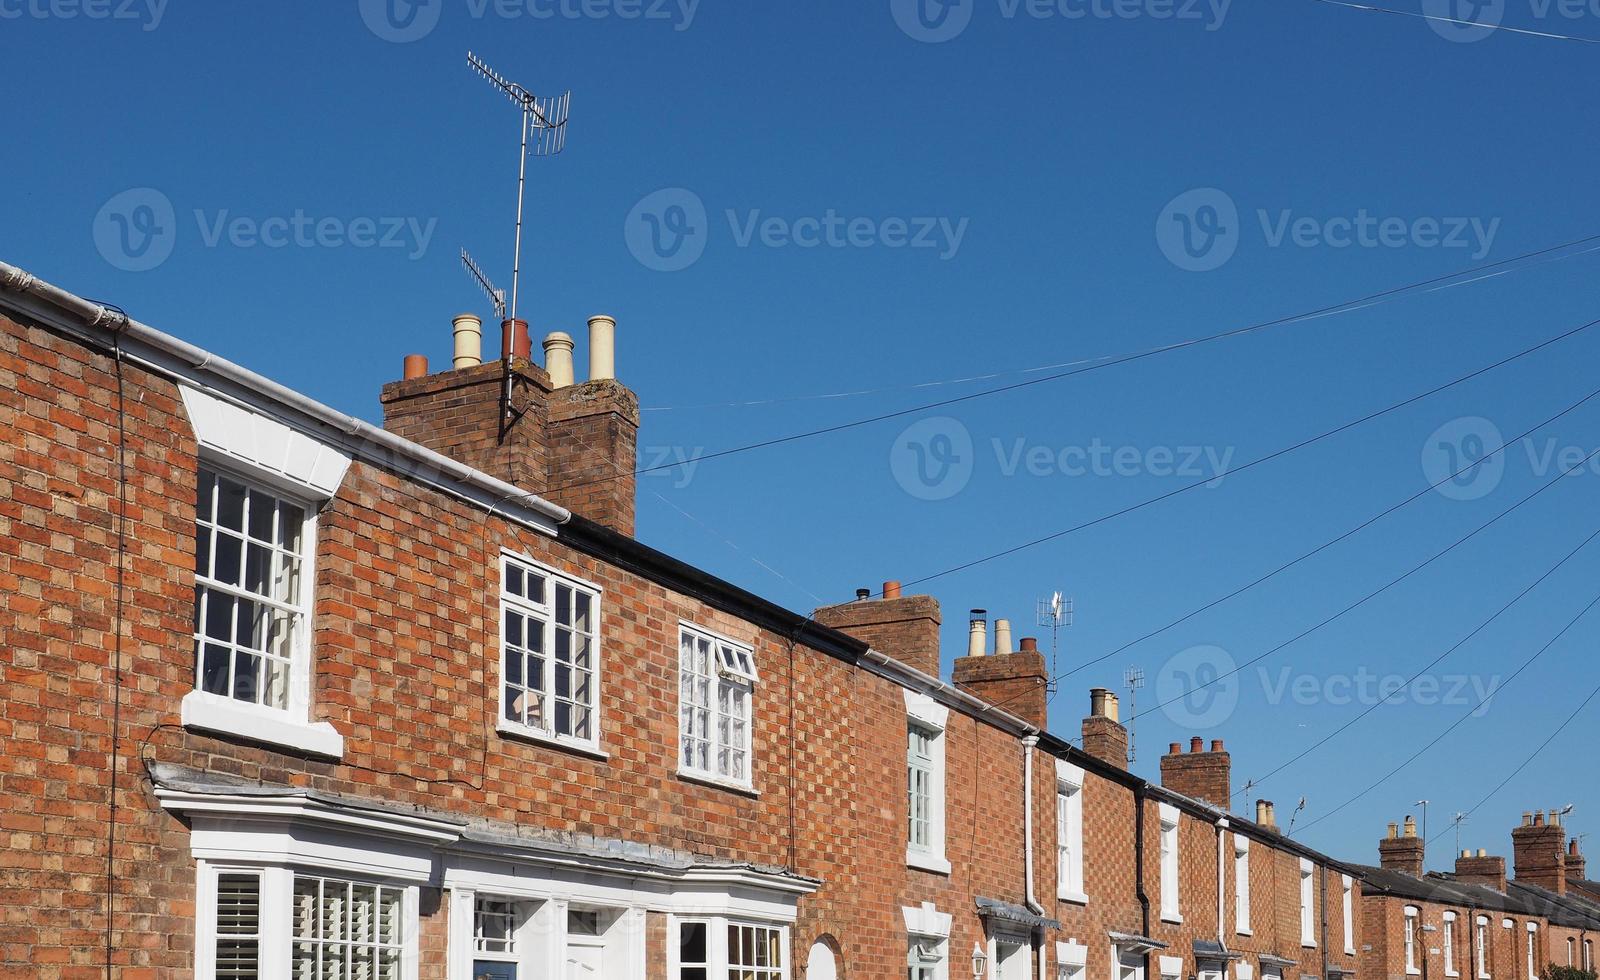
[726, 949]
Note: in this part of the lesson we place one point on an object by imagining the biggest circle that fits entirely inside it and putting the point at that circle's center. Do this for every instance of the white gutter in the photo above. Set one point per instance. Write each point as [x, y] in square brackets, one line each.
[1029, 742]
[374, 444]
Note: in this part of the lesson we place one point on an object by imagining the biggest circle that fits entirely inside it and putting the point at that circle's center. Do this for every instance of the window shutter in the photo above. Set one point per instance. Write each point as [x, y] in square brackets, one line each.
[238, 926]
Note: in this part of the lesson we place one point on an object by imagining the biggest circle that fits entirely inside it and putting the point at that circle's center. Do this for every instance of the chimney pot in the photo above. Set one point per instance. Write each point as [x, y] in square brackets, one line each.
[1195, 743]
[977, 634]
[1467, 852]
[415, 366]
[514, 339]
[1527, 818]
[1483, 852]
[467, 332]
[1394, 831]
[602, 347]
[1538, 818]
[862, 595]
[891, 590]
[1174, 748]
[1411, 826]
[1002, 636]
[558, 359]
[1030, 644]
[1216, 745]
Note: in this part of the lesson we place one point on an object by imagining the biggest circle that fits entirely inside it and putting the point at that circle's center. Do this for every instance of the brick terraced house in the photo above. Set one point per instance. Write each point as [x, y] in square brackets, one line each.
[285, 694]
[1474, 922]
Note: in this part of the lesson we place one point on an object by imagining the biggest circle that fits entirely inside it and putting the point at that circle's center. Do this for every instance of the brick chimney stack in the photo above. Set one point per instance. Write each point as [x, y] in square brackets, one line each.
[1103, 734]
[903, 627]
[1481, 869]
[1197, 773]
[1575, 862]
[1015, 680]
[1402, 850]
[1537, 857]
[576, 444]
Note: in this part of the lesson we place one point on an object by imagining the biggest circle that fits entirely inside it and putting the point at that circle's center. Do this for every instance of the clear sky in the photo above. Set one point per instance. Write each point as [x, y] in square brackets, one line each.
[877, 195]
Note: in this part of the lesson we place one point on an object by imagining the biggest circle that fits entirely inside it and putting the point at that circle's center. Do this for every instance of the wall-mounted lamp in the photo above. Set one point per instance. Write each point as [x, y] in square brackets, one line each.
[980, 962]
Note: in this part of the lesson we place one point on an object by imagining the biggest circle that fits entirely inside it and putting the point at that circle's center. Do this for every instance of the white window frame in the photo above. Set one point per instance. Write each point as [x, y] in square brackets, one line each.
[1533, 944]
[1348, 913]
[1449, 942]
[1069, 833]
[276, 931]
[717, 966]
[1588, 954]
[929, 928]
[1171, 897]
[545, 613]
[1072, 960]
[289, 726]
[1412, 939]
[1572, 950]
[1480, 948]
[733, 669]
[1241, 885]
[927, 714]
[1308, 910]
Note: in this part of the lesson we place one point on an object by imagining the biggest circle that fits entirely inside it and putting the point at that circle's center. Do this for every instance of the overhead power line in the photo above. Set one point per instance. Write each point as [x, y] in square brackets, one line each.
[1457, 22]
[1368, 299]
[1459, 721]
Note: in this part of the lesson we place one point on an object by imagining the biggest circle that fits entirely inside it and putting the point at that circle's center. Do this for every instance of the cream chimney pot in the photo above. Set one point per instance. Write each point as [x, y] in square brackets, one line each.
[558, 359]
[468, 332]
[1002, 636]
[602, 348]
[977, 634]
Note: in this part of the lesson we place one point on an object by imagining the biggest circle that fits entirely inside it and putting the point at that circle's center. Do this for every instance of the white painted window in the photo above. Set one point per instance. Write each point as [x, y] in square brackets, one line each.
[1588, 955]
[550, 658]
[926, 959]
[494, 929]
[1450, 945]
[256, 922]
[717, 679]
[1170, 911]
[1072, 961]
[1480, 946]
[1412, 964]
[1130, 964]
[1533, 951]
[251, 638]
[1348, 910]
[925, 779]
[1069, 833]
[720, 949]
[1572, 951]
[1308, 920]
[1241, 884]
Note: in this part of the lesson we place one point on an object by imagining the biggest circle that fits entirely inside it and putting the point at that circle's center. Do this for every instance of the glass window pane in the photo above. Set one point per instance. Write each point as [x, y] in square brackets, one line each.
[230, 504]
[262, 510]
[692, 942]
[227, 559]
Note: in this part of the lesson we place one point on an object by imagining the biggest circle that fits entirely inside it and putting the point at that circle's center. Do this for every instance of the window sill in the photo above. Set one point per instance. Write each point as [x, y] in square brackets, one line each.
[1245, 931]
[1413, 971]
[1308, 944]
[1076, 898]
[717, 782]
[1173, 918]
[526, 734]
[218, 715]
[1452, 973]
[928, 862]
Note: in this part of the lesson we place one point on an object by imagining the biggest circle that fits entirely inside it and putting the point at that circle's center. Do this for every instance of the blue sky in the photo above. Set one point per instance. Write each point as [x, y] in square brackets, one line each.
[1013, 196]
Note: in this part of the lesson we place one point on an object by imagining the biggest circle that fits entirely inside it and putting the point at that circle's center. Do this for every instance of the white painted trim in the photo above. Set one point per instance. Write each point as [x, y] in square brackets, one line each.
[1241, 885]
[1072, 953]
[266, 446]
[927, 713]
[1171, 877]
[232, 718]
[927, 920]
[926, 710]
[1171, 966]
[709, 777]
[1069, 774]
[927, 862]
[593, 747]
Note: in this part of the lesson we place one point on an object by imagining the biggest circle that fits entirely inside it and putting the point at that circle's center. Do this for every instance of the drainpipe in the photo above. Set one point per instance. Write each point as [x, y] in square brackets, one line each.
[1138, 867]
[1028, 744]
[1322, 897]
[1222, 866]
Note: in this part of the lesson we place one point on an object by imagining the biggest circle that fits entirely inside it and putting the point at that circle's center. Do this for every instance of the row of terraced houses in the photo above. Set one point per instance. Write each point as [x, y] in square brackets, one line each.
[286, 694]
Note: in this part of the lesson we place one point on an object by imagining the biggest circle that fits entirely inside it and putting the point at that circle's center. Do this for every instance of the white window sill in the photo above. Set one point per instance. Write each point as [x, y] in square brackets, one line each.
[218, 715]
[1076, 898]
[1413, 971]
[719, 782]
[1452, 973]
[927, 862]
[525, 733]
[1308, 944]
[1172, 917]
[1245, 931]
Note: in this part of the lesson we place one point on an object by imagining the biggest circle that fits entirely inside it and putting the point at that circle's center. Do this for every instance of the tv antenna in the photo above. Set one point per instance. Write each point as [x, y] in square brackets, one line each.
[1457, 820]
[1054, 613]
[496, 296]
[1133, 677]
[546, 120]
